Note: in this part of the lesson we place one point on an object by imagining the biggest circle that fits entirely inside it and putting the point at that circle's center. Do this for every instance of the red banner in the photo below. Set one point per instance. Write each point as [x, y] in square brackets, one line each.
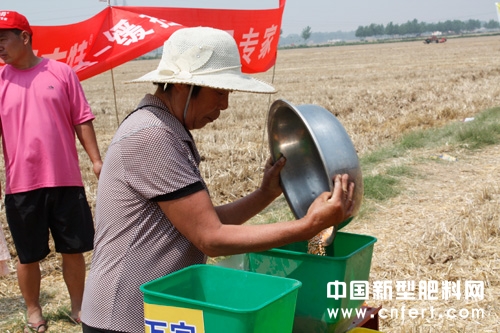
[120, 34]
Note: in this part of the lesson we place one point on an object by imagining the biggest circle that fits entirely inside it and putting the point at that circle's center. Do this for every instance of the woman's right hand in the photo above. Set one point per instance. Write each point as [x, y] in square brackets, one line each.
[330, 209]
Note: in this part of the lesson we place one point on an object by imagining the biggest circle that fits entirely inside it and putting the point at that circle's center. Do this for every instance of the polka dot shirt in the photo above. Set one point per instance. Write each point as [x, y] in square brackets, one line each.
[151, 158]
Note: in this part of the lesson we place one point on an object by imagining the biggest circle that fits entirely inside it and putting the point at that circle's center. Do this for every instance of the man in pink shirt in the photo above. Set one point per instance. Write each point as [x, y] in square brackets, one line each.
[42, 106]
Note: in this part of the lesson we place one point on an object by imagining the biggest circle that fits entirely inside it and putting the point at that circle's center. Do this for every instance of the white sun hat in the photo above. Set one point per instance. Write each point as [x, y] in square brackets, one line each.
[203, 56]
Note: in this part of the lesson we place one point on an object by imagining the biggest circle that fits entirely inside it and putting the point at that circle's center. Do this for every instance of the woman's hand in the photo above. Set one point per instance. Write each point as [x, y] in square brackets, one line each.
[330, 209]
[271, 181]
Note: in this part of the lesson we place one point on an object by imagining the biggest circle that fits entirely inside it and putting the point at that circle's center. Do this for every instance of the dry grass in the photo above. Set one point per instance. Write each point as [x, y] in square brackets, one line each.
[445, 224]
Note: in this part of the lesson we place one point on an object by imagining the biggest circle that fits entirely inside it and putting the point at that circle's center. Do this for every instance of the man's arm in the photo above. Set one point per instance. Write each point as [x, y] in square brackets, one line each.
[86, 134]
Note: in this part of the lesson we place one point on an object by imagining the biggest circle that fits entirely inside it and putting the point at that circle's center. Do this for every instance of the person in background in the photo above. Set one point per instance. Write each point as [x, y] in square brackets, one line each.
[154, 214]
[42, 106]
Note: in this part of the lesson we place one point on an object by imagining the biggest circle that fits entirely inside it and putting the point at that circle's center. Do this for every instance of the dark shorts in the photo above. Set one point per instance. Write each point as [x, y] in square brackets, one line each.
[62, 210]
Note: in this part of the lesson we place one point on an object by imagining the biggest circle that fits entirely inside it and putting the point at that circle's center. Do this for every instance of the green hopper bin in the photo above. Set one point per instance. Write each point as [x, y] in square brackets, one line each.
[212, 299]
[319, 276]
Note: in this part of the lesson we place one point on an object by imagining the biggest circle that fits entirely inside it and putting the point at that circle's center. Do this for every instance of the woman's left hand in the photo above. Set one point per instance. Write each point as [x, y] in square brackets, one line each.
[271, 181]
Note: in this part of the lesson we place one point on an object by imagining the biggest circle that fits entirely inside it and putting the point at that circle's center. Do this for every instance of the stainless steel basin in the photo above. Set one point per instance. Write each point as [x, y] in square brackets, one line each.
[316, 147]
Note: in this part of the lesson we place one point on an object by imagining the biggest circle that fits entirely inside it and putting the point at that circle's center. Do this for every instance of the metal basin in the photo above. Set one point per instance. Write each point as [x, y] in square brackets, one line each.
[317, 148]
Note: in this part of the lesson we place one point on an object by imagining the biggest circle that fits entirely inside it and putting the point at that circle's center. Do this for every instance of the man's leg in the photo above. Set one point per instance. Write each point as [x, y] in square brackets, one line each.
[29, 277]
[73, 266]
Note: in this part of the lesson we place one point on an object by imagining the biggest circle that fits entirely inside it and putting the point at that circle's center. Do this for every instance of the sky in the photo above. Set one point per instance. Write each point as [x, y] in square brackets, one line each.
[320, 15]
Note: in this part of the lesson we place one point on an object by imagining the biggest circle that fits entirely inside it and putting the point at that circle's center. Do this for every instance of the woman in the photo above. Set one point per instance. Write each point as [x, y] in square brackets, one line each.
[153, 213]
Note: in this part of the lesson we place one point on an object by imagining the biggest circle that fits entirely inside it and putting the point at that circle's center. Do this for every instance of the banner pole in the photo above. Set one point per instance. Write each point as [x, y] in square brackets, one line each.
[114, 88]
[262, 156]
[114, 97]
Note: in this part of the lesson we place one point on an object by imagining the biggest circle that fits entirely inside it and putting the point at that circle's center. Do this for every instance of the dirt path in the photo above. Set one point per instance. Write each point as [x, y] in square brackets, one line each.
[445, 226]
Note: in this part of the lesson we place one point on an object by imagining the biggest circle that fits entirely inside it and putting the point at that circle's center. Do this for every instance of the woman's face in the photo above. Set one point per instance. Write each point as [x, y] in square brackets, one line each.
[206, 107]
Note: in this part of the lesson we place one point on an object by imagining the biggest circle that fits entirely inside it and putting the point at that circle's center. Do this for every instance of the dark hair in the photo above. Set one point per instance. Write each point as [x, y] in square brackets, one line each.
[196, 89]
[18, 32]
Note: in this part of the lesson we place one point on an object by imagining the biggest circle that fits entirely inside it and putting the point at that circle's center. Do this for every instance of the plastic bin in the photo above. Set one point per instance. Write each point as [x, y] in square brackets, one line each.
[211, 299]
[352, 261]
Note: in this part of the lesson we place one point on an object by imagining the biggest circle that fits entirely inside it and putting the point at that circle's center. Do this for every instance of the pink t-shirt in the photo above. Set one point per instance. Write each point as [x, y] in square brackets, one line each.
[39, 108]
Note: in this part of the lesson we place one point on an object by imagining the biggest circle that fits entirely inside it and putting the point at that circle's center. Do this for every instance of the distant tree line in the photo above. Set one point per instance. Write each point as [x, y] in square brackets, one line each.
[415, 27]
[316, 37]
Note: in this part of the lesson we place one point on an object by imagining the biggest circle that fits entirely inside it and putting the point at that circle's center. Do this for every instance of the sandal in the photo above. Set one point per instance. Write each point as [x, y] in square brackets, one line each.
[36, 327]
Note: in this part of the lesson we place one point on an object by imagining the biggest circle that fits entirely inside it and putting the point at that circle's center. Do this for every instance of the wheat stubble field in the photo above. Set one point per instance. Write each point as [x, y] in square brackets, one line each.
[445, 224]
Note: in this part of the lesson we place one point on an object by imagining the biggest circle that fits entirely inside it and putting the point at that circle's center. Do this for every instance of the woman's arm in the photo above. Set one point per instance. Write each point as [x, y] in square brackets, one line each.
[196, 218]
[241, 210]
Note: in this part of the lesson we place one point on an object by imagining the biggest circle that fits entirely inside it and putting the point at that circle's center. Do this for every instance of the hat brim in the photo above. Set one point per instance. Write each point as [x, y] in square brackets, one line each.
[227, 80]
